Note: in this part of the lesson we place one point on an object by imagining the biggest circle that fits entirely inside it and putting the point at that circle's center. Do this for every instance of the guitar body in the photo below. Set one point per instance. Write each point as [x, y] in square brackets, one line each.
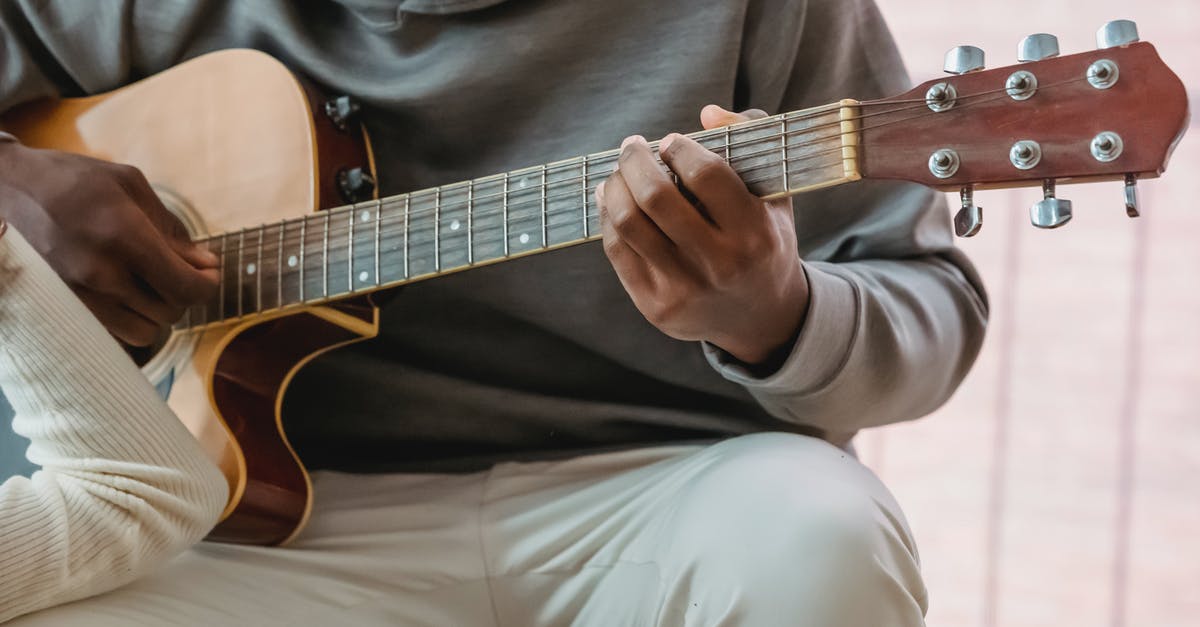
[230, 140]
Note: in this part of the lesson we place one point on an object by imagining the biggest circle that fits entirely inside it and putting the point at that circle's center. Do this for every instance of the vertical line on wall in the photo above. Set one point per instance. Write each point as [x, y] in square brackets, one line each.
[1002, 414]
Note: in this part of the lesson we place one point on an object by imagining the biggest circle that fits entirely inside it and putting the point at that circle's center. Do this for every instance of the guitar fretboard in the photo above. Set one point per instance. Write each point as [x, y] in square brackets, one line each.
[384, 243]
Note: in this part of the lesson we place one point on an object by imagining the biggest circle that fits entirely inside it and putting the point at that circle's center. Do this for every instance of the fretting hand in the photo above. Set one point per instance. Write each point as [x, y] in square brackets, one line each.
[726, 271]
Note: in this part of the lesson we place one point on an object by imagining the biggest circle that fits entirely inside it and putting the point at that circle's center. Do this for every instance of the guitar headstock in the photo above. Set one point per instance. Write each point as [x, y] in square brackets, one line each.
[1115, 113]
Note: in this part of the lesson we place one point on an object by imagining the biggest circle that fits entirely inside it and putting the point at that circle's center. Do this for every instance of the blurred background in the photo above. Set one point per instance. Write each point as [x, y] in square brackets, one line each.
[1061, 485]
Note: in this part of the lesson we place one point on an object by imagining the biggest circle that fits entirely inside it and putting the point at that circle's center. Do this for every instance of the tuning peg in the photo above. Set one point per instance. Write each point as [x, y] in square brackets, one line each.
[1131, 199]
[969, 219]
[1050, 212]
[1037, 47]
[355, 184]
[963, 59]
[1116, 33]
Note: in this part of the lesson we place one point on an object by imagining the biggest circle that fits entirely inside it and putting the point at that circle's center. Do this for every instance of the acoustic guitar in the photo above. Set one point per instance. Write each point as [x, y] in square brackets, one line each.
[278, 180]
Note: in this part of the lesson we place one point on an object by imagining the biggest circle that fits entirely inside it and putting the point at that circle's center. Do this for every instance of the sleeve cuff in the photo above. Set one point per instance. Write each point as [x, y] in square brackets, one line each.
[822, 348]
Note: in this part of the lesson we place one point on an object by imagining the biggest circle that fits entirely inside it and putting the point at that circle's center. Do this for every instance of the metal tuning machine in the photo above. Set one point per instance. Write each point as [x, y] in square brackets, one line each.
[1051, 212]
[969, 218]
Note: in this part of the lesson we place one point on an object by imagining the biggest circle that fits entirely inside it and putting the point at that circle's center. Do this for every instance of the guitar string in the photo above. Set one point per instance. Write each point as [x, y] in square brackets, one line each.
[599, 158]
[349, 261]
[531, 195]
[574, 211]
[343, 269]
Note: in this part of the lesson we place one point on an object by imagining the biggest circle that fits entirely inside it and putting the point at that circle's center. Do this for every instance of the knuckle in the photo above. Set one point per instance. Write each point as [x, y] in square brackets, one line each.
[90, 274]
[710, 170]
[658, 194]
[666, 309]
[731, 268]
[624, 222]
[128, 174]
[613, 247]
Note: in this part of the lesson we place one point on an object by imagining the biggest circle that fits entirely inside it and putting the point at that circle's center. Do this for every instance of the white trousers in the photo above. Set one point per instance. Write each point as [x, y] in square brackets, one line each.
[768, 529]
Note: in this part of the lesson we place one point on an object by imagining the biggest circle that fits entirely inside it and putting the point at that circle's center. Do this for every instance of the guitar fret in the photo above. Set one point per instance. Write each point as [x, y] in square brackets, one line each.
[437, 234]
[470, 222]
[586, 197]
[783, 143]
[303, 246]
[545, 229]
[279, 268]
[240, 269]
[350, 251]
[728, 158]
[407, 204]
[378, 224]
[325, 259]
[505, 212]
[258, 270]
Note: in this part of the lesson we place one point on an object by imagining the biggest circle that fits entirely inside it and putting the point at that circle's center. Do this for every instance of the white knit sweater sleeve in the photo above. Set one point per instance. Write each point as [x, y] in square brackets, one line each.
[123, 486]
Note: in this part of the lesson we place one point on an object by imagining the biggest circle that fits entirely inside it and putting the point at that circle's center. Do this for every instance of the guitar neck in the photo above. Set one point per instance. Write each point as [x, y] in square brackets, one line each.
[380, 244]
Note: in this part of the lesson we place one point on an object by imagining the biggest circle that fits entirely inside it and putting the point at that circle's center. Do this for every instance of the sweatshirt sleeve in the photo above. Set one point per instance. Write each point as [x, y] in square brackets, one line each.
[897, 313]
[123, 486]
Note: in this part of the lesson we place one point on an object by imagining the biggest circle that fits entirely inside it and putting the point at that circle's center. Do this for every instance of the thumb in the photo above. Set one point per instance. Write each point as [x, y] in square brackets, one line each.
[713, 116]
[198, 255]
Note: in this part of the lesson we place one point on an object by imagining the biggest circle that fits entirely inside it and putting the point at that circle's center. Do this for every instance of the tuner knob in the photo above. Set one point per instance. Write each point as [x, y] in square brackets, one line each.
[1050, 212]
[1037, 47]
[355, 184]
[1116, 33]
[963, 59]
[342, 111]
[969, 219]
[1131, 199]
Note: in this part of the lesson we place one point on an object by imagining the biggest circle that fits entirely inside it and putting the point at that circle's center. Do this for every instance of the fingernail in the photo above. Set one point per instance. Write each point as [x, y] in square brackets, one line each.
[666, 142]
[631, 139]
[600, 192]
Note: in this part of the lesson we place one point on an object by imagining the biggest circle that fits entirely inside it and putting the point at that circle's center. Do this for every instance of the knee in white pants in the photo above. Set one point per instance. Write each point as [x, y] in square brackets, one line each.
[790, 530]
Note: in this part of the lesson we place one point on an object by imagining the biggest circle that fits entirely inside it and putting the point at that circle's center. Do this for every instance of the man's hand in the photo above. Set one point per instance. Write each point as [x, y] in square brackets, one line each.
[726, 272]
[105, 232]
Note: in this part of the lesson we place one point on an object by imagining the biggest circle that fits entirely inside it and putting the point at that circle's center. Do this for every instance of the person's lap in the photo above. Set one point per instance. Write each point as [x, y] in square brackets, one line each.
[758, 530]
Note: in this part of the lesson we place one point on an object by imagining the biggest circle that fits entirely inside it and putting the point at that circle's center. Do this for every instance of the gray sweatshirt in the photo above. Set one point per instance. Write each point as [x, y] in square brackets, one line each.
[546, 355]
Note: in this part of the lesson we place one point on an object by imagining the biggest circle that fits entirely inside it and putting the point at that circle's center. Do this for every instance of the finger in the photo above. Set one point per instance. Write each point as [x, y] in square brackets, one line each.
[172, 278]
[659, 198]
[713, 116]
[709, 179]
[631, 269]
[123, 323]
[635, 228]
[167, 223]
[141, 299]
[179, 273]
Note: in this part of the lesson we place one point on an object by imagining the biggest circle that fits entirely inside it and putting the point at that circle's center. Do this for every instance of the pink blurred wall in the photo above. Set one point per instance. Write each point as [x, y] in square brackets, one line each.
[1061, 485]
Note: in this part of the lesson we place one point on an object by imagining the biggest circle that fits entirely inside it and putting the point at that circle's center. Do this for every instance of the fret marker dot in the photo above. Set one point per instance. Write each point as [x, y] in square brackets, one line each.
[251, 268]
[365, 217]
[454, 225]
[524, 238]
[292, 261]
[363, 276]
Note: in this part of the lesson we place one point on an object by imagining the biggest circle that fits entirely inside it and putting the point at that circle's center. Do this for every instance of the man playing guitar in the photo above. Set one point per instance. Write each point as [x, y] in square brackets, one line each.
[650, 432]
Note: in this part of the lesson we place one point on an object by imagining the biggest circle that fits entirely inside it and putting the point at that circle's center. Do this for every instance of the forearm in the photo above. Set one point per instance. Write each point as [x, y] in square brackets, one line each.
[123, 485]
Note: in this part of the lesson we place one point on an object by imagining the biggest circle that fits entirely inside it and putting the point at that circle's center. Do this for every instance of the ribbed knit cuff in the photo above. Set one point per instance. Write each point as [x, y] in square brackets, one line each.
[821, 350]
